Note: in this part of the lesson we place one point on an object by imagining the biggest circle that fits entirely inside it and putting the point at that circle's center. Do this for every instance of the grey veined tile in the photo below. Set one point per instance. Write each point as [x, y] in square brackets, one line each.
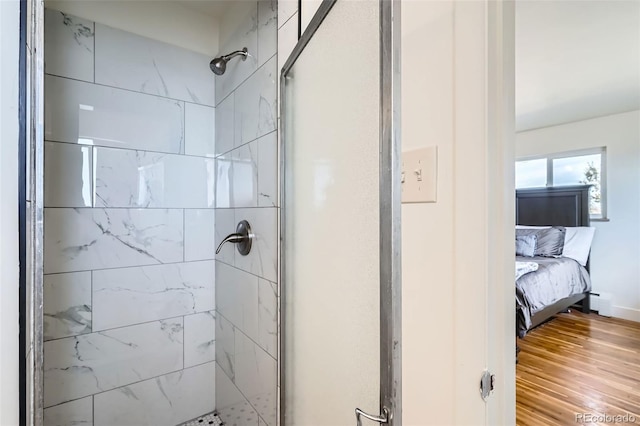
[75, 367]
[86, 239]
[68, 45]
[126, 178]
[145, 65]
[166, 400]
[89, 114]
[67, 175]
[127, 296]
[78, 412]
[67, 305]
[199, 338]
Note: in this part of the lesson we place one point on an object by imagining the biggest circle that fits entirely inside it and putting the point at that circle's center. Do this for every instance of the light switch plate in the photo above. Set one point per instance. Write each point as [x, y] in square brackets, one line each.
[420, 175]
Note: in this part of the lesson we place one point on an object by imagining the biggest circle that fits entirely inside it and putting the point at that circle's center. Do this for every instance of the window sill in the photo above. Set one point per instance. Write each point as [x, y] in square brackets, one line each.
[600, 219]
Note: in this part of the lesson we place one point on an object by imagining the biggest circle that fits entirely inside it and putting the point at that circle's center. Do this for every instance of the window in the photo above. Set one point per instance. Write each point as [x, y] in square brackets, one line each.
[568, 168]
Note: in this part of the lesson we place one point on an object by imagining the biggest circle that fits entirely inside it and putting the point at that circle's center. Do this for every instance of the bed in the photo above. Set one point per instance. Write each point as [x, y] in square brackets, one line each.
[556, 283]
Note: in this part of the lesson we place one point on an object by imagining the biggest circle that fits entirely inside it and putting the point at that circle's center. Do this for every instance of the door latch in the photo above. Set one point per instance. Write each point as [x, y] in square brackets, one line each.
[487, 382]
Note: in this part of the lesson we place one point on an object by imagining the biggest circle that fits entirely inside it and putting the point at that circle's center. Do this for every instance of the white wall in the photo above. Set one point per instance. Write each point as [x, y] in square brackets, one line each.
[9, 42]
[615, 256]
[455, 250]
[160, 20]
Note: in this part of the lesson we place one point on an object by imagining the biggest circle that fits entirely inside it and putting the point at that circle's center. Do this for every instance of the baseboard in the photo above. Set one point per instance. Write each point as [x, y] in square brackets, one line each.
[630, 314]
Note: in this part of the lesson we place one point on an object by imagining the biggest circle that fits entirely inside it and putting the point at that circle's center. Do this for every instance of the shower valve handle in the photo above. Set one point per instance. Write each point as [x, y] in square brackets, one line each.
[242, 237]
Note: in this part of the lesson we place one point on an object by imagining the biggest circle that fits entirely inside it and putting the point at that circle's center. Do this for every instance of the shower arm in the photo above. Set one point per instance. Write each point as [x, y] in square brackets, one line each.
[242, 52]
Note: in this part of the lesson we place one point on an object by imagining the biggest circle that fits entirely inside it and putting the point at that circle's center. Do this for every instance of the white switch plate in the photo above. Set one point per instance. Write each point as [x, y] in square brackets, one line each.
[420, 175]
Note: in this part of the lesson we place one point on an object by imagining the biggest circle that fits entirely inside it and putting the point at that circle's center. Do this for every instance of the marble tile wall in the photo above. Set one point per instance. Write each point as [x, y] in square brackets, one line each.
[246, 163]
[129, 294]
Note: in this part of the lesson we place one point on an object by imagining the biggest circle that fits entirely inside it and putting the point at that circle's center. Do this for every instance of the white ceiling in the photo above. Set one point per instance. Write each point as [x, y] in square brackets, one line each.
[576, 60]
[212, 8]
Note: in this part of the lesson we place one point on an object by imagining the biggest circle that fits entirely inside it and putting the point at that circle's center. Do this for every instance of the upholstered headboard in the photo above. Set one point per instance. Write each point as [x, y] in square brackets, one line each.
[560, 206]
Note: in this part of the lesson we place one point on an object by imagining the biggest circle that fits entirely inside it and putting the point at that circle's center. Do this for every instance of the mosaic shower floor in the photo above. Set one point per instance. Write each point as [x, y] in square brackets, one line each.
[210, 419]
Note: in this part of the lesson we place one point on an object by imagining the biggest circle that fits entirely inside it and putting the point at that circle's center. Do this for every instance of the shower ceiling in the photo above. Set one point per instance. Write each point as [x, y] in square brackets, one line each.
[213, 8]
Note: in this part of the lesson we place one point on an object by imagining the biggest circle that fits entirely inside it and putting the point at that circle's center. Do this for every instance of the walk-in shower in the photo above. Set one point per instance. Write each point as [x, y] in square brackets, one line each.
[219, 64]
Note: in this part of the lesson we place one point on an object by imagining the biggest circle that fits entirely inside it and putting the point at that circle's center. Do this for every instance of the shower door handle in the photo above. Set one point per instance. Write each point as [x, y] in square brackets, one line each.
[382, 419]
[242, 237]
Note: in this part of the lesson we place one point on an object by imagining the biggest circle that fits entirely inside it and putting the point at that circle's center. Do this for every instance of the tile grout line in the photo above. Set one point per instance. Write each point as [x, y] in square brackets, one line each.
[128, 325]
[245, 80]
[128, 267]
[126, 90]
[243, 395]
[204, 157]
[245, 335]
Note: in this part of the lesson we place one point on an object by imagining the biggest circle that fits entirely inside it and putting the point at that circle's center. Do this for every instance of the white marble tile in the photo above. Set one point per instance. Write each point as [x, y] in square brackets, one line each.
[67, 175]
[224, 181]
[67, 305]
[224, 125]
[199, 234]
[237, 298]
[225, 346]
[126, 178]
[268, 317]
[233, 408]
[68, 45]
[245, 35]
[90, 114]
[256, 377]
[267, 30]
[75, 367]
[199, 338]
[126, 296]
[244, 176]
[133, 62]
[286, 10]
[200, 130]
[263, 258]
[255, 104]
[78, 412]
[225, 225]
[86, 239]
[166, 400]
[267, 147]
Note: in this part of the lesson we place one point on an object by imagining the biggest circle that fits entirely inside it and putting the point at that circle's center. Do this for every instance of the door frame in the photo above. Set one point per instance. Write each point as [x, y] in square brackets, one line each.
[31, 228]
[390, 206]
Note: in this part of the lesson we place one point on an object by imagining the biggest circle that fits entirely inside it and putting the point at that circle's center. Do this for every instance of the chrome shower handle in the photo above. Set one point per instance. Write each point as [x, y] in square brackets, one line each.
[242, 237]
[233, 238]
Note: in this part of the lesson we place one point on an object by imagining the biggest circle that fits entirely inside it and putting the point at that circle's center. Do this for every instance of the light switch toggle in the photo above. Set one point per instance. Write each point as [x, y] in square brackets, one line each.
[420, 175]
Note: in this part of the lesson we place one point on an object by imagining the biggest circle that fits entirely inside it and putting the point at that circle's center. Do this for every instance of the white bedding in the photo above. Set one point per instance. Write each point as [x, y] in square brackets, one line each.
[524, 268]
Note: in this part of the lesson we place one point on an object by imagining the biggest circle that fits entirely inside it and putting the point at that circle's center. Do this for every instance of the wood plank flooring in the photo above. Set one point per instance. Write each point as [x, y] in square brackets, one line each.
[578, 363]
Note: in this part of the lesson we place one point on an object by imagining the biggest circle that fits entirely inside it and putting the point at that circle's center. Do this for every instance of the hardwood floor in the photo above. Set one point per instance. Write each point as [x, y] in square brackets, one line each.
[578, 363]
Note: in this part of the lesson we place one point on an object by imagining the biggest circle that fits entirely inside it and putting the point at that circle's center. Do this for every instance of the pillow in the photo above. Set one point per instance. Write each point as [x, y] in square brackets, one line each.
[577, 243]
[550, 240]
[526, 245]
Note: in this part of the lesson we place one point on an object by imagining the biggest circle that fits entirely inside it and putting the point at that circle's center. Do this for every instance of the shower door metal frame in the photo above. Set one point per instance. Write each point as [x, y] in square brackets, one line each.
[31, 309]
[390, 206]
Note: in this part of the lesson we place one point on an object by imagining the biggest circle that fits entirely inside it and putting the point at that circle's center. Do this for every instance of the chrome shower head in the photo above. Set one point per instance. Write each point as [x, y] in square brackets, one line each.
[219, 65]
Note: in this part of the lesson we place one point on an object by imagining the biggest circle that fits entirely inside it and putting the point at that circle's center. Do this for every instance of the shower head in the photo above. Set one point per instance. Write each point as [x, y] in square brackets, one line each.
[219, 65]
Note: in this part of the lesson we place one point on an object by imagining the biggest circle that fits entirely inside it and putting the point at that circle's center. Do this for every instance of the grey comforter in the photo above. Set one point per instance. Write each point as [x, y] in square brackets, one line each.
[555, 279]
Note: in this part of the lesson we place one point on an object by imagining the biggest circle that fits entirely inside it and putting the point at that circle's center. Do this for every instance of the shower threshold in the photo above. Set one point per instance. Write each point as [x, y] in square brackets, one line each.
[210, 419]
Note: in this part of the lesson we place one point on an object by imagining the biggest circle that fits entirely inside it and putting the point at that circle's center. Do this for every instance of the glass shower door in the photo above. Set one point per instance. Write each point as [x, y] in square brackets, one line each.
[340, 220]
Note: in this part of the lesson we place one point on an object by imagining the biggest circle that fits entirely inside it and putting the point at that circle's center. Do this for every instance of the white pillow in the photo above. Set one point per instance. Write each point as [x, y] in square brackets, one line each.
[577, 243]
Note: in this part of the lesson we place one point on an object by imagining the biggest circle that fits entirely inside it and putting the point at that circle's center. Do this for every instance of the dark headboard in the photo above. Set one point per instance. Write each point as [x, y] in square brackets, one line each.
[560, 206]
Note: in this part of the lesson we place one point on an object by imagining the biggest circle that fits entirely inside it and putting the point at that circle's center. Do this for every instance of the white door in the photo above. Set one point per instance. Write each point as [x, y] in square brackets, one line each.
[340, 229]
